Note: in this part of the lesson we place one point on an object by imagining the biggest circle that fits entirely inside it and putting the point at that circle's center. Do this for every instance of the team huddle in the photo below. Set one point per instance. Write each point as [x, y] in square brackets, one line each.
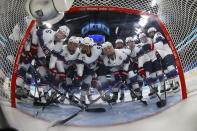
[81, 64]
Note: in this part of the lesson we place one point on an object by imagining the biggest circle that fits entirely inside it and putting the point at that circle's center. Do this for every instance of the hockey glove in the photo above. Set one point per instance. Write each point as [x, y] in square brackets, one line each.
[53, 72]
[124, 75]
[94, 83]
[158, 55]
[33, 49]
[77, 81]
[117, 76]
[62, 77]
[28, 55]
[142, 72]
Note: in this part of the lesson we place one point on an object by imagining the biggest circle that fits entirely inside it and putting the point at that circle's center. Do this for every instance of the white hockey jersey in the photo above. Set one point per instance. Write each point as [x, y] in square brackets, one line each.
[149, 49]
[161, 45]
[45, 41]
[62, 59]
[121, 61]
[90, 62]
[137, 54]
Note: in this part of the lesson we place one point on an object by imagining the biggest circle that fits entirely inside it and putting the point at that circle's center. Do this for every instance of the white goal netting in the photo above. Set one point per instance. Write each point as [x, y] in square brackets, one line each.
[178, 16]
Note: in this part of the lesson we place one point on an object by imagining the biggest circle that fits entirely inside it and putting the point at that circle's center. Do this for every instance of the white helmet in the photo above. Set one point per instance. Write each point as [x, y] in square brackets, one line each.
[129, 39]
[80, 39]
[87, 41]
[142, 35]
[65, 30]
[74, 39]
[151, 29]
[106, 44]
[119, 41]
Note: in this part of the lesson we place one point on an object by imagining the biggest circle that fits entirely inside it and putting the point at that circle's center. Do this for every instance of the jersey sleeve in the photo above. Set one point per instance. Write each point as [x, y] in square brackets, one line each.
[60, 66]
[126, 65]
[126, 62]
[158, 43]
[80, 68]
[34, 38]
[140, 56]
[52, 62]
[126, 51]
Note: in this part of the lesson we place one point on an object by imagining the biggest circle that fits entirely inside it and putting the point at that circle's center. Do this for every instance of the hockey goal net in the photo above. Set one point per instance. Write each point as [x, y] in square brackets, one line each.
[178, 16]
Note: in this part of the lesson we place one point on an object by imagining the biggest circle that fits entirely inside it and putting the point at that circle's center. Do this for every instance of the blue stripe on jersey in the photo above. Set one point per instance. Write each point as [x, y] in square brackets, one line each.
[45, 49]
[140, 53]
[159, 39]
[126, 60]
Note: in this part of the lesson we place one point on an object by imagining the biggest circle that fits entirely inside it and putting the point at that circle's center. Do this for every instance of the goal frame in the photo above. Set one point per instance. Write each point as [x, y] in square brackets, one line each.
[102, 8]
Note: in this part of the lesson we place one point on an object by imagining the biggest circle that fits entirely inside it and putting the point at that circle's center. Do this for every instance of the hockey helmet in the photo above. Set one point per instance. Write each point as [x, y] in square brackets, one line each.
[106, 44]
[73, 39]
[151, 29]
[87, 41]
[142, 35]
[65, 30]
[129, 39]
[119, 41]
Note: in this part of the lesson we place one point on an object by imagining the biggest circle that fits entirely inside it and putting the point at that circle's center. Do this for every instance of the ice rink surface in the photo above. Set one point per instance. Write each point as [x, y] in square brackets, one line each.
[122, 112]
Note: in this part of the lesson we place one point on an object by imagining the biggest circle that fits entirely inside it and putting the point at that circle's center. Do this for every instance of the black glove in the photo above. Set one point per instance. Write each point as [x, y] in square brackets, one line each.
[124, 75]
[117, 76]
[77, 81]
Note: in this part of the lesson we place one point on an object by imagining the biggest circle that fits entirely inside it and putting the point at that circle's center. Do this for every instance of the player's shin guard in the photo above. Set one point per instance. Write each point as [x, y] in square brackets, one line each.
[137, 90]
[115, 94]
[122, 93]
[176, 85]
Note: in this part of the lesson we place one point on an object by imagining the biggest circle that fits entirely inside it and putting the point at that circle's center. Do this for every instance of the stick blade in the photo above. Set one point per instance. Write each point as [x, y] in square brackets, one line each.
[145, 103]
[99, 110]
[161, 103]
[35, 103]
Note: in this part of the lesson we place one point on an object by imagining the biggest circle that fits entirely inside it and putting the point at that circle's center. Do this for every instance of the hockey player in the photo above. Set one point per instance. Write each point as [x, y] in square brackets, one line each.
[87, 61]
[143, 61]
[44, 41]
[119, 44]
[62, 62]
[23, 78]
[118, 63]
[168, 62]
[157, 73]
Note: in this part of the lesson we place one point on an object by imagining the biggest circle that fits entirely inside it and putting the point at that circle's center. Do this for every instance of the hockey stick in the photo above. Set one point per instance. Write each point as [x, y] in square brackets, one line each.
[144, 102]
[60, 122]
[161, 102]
[88, 110]
[85, 107]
